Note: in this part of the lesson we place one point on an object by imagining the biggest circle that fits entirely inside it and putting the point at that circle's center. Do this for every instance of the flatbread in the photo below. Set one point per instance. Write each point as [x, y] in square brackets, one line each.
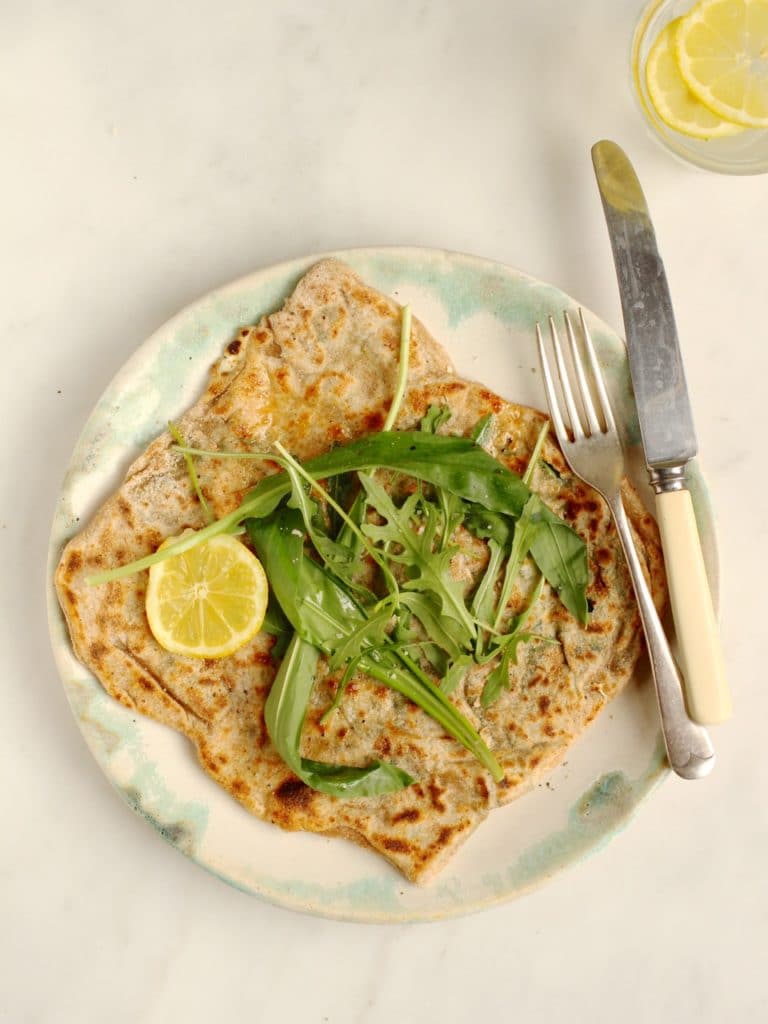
[322, 371]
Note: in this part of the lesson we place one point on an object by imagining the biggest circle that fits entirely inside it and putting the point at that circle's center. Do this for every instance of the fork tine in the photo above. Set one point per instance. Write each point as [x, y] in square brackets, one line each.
[549, 387]
[584, 389]
[597, 374]
[565, 384]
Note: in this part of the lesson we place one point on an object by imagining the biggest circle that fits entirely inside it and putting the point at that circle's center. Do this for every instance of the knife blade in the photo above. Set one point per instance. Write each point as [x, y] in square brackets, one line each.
[666, 426]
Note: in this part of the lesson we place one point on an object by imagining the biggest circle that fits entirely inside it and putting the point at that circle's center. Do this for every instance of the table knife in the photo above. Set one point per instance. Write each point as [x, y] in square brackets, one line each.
[666, 427]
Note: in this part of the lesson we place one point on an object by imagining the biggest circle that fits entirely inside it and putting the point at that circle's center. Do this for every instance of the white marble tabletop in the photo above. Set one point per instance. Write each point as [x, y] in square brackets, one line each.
[154, 150]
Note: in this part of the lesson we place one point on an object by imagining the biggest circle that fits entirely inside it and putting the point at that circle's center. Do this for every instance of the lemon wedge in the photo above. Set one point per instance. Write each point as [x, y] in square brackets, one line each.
[675, 104]
[208, 601]
[722, 53]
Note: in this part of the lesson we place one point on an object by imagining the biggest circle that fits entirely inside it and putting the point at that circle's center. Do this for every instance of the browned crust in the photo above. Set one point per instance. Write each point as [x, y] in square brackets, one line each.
[320, 372]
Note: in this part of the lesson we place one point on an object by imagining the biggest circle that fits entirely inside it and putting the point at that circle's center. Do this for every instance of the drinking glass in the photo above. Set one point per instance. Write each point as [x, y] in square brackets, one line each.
[743, 153]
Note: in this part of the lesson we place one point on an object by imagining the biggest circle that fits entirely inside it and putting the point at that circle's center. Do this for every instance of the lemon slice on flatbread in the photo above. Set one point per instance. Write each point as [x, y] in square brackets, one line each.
[208, 601]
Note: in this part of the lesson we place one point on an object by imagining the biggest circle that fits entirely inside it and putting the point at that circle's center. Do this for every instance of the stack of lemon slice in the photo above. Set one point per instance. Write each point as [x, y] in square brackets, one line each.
[707, 72]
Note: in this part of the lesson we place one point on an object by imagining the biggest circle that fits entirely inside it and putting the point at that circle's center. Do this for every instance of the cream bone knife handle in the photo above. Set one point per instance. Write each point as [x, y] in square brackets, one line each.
[688, 745]
[698, 636]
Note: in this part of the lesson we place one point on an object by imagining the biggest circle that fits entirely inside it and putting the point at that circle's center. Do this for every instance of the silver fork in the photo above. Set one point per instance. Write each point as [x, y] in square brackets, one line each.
[595, 454]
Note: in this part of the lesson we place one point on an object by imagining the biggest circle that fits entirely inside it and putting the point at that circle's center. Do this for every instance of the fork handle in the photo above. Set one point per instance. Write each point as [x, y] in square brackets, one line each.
[689, 748]
[701, 657]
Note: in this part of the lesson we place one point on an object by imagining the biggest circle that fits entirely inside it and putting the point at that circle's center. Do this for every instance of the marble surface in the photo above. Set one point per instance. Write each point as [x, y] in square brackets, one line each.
[155, 150]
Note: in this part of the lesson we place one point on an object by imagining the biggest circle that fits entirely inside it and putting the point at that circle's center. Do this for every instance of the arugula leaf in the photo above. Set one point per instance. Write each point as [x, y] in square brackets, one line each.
[482, 429]
[508, 644]
[483, 598]
[452, 512]
[276, 625]
[498, 679]
[497, 530]
[435, 417]
[342, 568]
[337, 557]
[521, 541]
[324, 614]
[402, 372]
[175, 433]
[284, 714]
[372, 632]
[562, 556]
[446, 633]
[429, 568]
[455, 463]
[456, 673]
[536, 454]
[317, 607]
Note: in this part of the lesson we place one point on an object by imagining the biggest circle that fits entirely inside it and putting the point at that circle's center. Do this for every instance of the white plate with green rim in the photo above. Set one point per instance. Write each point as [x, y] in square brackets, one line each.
[484, 314]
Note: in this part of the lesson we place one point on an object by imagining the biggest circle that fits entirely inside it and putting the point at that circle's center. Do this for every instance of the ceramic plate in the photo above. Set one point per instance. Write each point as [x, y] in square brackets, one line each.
[484, 315]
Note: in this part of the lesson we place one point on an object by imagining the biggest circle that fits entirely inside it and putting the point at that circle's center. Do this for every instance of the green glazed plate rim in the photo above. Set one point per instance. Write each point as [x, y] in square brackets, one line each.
[484, 313]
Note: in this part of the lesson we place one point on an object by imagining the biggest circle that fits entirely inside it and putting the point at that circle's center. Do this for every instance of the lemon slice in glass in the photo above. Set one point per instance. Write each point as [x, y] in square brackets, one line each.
[675, 104]
[208, 601]
[722, 53]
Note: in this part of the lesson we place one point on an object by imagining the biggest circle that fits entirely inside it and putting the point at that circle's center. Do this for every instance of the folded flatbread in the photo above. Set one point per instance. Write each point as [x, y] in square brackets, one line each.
[321, 372]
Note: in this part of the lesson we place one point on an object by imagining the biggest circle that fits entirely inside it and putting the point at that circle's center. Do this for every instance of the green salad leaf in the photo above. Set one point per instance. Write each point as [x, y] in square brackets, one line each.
[482, 429]
[284, 714]
[427, 562]
[562, 556]
[455, 463]
[325, 616]
[434, 418]
[175, 433]
[402, 371]
[321, 527]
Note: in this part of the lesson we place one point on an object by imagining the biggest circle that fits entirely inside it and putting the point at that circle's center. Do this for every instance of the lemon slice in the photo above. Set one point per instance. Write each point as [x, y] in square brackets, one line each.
[675, 104]
[722, 52]
[208, 601]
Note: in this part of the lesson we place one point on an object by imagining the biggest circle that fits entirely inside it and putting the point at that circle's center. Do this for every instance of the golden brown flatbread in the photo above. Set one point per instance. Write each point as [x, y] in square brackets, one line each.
[321, 371]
